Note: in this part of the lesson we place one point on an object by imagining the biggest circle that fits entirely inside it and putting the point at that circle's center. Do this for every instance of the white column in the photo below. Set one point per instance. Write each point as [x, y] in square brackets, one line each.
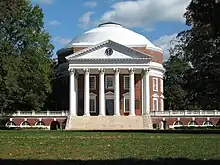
[101, 92]
[146, 91]
[72, 100]
[116, 93]
[131, 93]
[86, 93]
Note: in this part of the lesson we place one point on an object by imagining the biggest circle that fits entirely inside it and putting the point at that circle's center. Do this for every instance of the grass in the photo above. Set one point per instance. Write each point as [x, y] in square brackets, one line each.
[66, 145]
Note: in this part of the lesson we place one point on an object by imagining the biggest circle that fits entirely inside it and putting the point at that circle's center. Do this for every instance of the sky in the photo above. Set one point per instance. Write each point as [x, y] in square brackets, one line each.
[158, 20]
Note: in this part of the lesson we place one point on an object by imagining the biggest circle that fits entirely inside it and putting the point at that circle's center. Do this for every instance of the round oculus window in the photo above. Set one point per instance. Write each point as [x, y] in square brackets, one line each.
[109, 51]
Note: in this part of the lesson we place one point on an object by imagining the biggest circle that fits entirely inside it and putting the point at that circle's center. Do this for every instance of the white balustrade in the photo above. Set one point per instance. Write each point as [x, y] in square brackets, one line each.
[186, 113]
[39, 113]
[170, 113]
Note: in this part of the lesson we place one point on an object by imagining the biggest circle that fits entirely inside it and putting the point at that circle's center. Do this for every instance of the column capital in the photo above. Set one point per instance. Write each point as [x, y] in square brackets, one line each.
[86, 70]
[131, 70]
[146, 70]
[101, 70]
[72, 71]
[116, 70]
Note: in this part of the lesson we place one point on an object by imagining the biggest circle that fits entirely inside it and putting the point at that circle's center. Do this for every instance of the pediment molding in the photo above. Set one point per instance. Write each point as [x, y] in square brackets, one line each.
[155, 95]
[109, 93]
[115, 46]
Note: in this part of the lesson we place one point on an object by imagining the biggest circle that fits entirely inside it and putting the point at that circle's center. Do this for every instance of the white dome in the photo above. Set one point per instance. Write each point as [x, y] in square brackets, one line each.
[114, 32]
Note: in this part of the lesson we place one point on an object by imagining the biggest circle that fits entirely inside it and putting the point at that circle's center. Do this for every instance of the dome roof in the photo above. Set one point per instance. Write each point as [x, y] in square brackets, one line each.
[111, 31]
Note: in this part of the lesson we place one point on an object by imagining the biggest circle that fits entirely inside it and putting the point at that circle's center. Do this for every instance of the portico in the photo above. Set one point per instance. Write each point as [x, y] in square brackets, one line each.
[115, 88]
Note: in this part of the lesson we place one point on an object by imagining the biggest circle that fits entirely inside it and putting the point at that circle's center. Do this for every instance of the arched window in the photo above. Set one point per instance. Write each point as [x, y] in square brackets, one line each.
[178, 124]
[192, 123]
[25, 124]
[40, 124]
[208, 123]
[10, 124]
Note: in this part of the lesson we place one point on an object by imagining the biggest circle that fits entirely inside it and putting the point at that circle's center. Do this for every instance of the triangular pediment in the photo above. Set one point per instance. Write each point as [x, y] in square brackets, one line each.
[108, 50]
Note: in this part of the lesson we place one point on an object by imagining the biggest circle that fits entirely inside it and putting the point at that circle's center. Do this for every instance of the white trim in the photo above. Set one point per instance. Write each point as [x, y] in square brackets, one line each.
[92, 96]
[157, 108]
[161, 105]
[39, 125]
[178, 124]
[193, 124]
[126, 96]
[109, 43]
[155, 95]
[126, 76]
[94, 83]
[208, 122]
[161, 86]
[155, 88]
[7, 124]
[21, 125]
[113, 83]
[109, 95]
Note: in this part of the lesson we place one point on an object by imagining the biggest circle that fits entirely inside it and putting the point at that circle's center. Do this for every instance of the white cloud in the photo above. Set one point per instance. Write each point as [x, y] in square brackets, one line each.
[142, 13]
[164, 42]
[54, 23]
[61, 40]
[85, 20]
[47, 1]
[91, 4]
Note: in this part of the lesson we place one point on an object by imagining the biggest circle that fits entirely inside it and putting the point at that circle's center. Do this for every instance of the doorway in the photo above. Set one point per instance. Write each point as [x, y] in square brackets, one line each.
[55, 125]
[109, 107]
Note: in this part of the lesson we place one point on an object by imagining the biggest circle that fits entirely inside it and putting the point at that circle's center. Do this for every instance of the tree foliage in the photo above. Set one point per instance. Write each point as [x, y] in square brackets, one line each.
[200, 49]
[25, 56]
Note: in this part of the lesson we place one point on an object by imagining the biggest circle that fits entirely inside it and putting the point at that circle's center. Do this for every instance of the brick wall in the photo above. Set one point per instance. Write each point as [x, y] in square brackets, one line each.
[138, 93]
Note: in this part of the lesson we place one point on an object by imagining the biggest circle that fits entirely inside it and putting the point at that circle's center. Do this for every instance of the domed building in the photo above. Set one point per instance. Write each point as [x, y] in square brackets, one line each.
[115, 79]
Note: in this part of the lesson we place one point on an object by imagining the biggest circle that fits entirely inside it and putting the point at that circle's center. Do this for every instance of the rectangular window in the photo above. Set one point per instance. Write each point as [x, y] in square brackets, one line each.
[109, 82]
[155, 104]
[92, 82]
[92, 105]
[126, 82]
[161, 85]
[126, 105]
[155, 84]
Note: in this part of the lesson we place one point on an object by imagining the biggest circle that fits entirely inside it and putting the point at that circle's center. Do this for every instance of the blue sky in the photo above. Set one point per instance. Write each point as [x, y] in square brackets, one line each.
[158, 20]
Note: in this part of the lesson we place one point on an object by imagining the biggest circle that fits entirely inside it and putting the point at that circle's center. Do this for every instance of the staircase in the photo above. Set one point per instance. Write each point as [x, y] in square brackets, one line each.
[109, 123]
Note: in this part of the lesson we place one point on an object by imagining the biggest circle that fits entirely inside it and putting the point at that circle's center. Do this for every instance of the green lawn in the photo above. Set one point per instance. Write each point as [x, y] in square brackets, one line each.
[63, 145]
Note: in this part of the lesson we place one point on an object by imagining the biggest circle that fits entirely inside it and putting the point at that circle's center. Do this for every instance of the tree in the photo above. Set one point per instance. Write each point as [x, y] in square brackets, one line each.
[176, 66]
[200, 47]
[25, 56]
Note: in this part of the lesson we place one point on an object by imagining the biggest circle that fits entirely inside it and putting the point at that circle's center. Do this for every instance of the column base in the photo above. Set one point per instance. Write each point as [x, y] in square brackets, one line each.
[117, 115]
[86, 115]
[132, 114]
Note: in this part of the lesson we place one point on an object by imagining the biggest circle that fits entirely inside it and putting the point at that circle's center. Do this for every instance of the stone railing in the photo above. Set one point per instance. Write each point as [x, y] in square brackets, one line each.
[170, 113]
[186, 113]
[39, 113]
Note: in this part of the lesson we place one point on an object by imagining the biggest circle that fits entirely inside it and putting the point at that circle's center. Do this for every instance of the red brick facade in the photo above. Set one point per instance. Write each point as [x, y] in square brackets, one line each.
[138, 93]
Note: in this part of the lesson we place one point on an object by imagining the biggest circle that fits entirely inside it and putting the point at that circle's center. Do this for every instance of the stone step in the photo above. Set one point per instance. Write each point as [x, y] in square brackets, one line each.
[109, 123]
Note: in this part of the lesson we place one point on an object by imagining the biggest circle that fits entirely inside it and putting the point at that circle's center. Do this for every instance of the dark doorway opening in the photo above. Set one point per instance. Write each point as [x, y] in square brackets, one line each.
[109, 107]
[55, 125]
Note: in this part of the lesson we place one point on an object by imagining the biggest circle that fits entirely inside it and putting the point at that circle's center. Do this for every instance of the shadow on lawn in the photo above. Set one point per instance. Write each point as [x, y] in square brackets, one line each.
[108, 162]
